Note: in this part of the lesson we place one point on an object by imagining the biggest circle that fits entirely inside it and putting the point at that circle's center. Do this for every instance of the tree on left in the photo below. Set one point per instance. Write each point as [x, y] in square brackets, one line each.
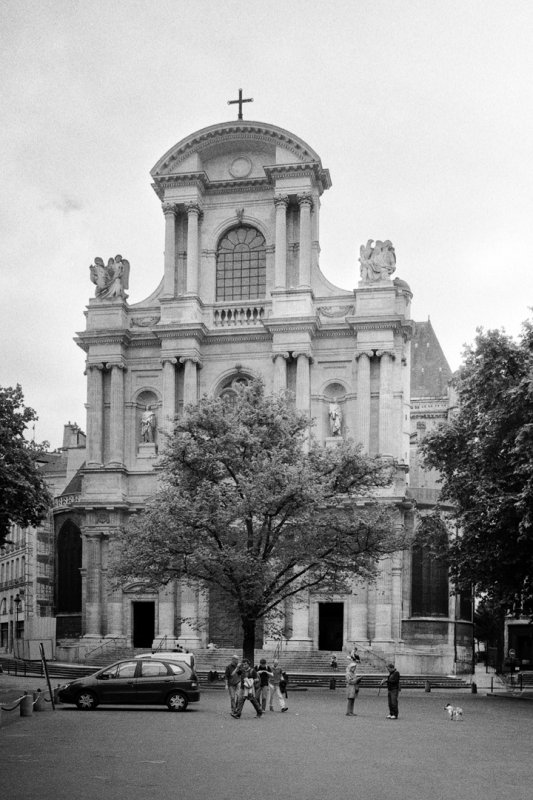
[24, 497]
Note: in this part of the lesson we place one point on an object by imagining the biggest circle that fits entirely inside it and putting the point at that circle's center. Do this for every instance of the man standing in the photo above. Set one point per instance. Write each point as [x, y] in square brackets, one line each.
[393, 687]
[263, 691]
[232, 680]
[277, 677]
[247, 689]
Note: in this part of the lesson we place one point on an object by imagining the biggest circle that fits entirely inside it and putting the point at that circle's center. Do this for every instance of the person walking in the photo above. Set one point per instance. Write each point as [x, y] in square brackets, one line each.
[352, 687]
[277, 678]
[247, 689]
[263, 691]
[232, 680]
[393, 688]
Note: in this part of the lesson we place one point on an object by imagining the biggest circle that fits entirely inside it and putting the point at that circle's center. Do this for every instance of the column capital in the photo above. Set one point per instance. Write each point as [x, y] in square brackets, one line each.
[169, 208]
[281, 200]
[168, 360]
[193, 359]
[193, 208]
[118, 364]
[305, 353]
[390, 353]
[367, 353]
[282, 354]
[304, 199]
[100, 365]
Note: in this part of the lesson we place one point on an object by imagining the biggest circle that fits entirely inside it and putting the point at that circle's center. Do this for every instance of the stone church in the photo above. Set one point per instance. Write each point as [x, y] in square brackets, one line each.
[242, 295]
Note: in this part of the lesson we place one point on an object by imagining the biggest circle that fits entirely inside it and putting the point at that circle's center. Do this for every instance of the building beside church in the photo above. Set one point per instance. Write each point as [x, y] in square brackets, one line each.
[242, 295]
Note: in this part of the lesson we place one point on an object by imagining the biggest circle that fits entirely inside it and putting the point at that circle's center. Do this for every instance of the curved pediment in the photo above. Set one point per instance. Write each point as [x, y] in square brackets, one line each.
[233, 151]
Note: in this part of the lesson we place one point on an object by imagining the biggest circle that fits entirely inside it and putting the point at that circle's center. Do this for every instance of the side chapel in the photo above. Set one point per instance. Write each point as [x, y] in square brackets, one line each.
[242, 295]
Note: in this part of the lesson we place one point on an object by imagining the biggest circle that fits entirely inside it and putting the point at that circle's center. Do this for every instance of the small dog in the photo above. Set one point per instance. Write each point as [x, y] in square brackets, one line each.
[454, 712]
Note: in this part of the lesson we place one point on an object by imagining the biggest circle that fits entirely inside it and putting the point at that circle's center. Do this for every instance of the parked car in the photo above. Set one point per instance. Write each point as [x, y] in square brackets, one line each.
[135, 681]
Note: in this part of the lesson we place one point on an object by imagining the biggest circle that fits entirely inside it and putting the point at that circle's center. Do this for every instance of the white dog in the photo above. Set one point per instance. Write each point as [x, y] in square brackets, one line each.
[454, 712]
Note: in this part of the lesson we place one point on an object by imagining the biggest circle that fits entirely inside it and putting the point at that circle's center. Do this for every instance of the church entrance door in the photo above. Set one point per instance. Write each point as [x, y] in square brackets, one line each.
[143, 624]
[330, 626]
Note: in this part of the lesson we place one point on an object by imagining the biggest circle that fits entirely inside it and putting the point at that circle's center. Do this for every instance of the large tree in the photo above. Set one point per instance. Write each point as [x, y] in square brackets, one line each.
[250, 505]
[485, 457]
[24, 497]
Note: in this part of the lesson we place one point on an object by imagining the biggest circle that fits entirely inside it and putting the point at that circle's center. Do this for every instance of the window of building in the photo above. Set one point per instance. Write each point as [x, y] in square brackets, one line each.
[241, 265]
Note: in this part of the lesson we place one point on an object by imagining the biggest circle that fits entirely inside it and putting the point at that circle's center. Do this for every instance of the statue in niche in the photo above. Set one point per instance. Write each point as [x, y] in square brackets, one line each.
[378, 262]
[148, 423]
[112, 280]
[335, 418]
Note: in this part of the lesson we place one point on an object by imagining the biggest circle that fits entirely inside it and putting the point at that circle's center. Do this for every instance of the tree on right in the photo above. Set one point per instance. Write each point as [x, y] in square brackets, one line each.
[484, 454]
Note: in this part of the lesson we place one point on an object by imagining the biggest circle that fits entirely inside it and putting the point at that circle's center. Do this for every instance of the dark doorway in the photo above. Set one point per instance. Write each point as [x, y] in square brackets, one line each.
[143, 624]
[330, 626]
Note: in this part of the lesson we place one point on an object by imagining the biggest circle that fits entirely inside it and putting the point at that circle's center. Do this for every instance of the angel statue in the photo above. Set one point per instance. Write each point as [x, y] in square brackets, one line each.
[111, 280]
[378, 262]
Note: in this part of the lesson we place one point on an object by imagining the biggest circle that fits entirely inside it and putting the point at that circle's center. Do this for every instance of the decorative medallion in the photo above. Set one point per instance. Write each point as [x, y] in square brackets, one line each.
[240, 167]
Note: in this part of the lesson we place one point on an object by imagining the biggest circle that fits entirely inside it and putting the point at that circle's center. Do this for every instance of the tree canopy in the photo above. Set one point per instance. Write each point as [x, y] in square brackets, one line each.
[24, 497]
[249, 504]
[485, 457]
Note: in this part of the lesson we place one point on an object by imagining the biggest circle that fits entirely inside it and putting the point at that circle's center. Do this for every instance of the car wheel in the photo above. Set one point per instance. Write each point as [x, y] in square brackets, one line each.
[86, 701]
[177, 702]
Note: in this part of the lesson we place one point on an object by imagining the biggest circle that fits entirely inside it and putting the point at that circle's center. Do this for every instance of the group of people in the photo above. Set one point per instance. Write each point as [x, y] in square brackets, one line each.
[260, 685]
[392, 681]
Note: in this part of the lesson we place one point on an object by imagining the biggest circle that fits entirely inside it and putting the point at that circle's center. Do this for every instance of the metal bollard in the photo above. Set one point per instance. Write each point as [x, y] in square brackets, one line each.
[427, 687]
[38, 701]
[332, 683]
[26, 705]
[474, 687]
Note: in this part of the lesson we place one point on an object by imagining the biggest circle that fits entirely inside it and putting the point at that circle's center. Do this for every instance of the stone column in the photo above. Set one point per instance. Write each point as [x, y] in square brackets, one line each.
[300, 639]
[280, 264]
[359, 614]
[169, 279]
[383, 602]
[305, 201]
[95, 415]
[303, 381]
[193, 217]
[166, 617]
[396, 598]
[168, 411]
[93, 597]
[386, 405]
[116, 456]
[362, 420]
[190, 379]
[279, 383]
[189, 636]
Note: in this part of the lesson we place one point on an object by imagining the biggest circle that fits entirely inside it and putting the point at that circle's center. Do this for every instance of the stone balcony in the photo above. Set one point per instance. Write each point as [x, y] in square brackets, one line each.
[239, 315]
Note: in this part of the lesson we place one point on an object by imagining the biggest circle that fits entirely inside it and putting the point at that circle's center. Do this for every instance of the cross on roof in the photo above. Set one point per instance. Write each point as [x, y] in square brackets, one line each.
[240, 101]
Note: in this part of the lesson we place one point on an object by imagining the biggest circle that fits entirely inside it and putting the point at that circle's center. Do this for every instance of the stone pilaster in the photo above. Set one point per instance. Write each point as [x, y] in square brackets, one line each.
[190, 635]
[396, 598]
[95, 415]
[303, 381]
[116, 456]
[193, 223]
[300, 639]
[280, 264]
[167, 609]
[169, 279]
[386, 405]
[93, 594]
[168, 411]
[190, 379]
[279, 384]
[359, 614]
[362, 420]
[305, 201]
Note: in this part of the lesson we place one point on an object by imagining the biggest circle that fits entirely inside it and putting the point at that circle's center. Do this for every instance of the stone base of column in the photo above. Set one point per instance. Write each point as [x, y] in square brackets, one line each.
[147, 450]
[298, 644]
[190, 642]
[333, 441]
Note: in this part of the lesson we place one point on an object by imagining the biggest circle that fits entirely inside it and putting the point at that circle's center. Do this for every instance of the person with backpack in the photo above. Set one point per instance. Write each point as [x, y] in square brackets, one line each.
[278, 676]
[263, 691]
[248, 686]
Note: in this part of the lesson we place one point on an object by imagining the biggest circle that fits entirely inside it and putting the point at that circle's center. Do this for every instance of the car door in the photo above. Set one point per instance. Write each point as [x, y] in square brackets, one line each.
[154, 682]
[117, 683]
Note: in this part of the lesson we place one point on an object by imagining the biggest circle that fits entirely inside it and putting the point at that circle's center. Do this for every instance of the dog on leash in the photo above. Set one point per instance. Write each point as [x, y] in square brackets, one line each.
[454, 712]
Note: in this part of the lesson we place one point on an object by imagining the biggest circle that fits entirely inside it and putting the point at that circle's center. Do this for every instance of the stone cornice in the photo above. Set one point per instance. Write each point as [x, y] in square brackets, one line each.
[293, 324]
[397, 324]
[180, 330]
[313, 170]
[238, 337]
[86, 339]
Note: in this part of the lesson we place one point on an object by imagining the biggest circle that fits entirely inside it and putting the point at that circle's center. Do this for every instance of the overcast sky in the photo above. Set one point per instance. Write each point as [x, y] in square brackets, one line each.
[422, 110]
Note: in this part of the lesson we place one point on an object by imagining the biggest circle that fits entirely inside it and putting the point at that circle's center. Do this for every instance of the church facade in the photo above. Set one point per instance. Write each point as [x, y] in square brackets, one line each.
[242, 295]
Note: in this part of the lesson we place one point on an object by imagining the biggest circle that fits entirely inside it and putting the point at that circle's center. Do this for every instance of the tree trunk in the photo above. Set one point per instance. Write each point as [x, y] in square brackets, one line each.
[248, 639]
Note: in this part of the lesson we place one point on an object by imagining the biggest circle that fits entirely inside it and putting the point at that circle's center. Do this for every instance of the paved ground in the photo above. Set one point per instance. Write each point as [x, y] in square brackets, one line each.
[313, 752]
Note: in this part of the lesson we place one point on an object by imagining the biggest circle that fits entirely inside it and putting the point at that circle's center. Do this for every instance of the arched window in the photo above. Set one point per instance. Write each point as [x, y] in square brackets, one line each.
[241, 265]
